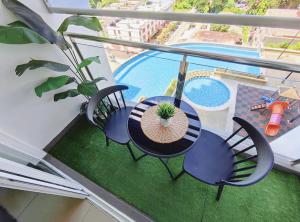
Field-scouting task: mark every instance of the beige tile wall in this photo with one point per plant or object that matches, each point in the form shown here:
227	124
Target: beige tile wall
35	207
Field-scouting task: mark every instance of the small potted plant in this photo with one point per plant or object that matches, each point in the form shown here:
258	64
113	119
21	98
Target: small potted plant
165	111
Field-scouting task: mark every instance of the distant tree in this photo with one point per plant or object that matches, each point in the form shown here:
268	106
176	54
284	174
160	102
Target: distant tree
230	4
165	33
101	3
219	28
202	6
255	7
217	6
106	2
214	6
284	45
258	7
234	10
94	3
246	33
182	5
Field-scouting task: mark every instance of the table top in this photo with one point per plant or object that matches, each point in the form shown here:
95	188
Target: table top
163	150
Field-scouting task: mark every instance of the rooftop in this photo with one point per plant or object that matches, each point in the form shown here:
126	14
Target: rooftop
283	12
129	23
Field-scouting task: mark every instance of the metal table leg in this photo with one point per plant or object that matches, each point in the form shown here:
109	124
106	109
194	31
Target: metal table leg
165	163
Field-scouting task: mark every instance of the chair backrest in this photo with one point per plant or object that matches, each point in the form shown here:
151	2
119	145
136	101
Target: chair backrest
251	174
104	103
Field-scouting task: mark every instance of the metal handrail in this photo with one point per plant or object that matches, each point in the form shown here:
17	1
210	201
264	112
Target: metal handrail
271	64
230	19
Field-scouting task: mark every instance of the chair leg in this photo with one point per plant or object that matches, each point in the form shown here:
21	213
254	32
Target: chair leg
165	163
107	141
141	157
131	152
220	190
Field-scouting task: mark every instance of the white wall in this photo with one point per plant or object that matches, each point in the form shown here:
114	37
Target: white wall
88	49
31	121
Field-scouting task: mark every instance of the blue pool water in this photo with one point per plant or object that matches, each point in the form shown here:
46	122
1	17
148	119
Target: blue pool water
206	92
149	73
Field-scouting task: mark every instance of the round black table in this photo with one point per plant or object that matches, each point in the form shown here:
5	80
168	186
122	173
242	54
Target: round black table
163	151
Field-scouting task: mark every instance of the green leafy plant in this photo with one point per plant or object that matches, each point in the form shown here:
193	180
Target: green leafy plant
258	7
165	110
32	29
203	6
94	3
166	32
219	28
246	33
233	9
284	45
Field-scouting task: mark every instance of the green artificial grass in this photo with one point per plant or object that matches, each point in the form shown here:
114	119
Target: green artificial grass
147	186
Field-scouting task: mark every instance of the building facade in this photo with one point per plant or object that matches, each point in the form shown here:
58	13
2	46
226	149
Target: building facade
139	30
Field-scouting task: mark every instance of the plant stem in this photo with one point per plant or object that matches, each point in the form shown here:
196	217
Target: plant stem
74	58
82	78
74	55
71	52
79	77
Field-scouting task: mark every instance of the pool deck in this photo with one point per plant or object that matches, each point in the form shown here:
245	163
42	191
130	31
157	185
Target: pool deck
208	74
221	121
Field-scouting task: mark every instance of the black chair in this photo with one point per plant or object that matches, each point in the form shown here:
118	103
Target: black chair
213	161
107	110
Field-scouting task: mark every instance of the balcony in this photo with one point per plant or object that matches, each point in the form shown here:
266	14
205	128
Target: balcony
220	74
146	184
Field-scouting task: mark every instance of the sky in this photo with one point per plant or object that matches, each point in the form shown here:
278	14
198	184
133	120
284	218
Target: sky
79	3
70	3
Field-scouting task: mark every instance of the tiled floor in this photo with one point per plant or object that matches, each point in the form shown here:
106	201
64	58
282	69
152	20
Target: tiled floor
248	96
35	207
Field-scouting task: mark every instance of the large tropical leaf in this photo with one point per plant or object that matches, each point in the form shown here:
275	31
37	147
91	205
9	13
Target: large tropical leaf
19	35
34	22
53	83
89	88
35	64
87	22
68	93
88	61
18	24
86	88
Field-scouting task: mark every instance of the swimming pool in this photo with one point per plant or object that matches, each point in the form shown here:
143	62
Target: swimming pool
149	73
208	93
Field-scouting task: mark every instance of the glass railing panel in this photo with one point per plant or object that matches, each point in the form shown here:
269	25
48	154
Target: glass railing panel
217	89
220	94
147	74
259	42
